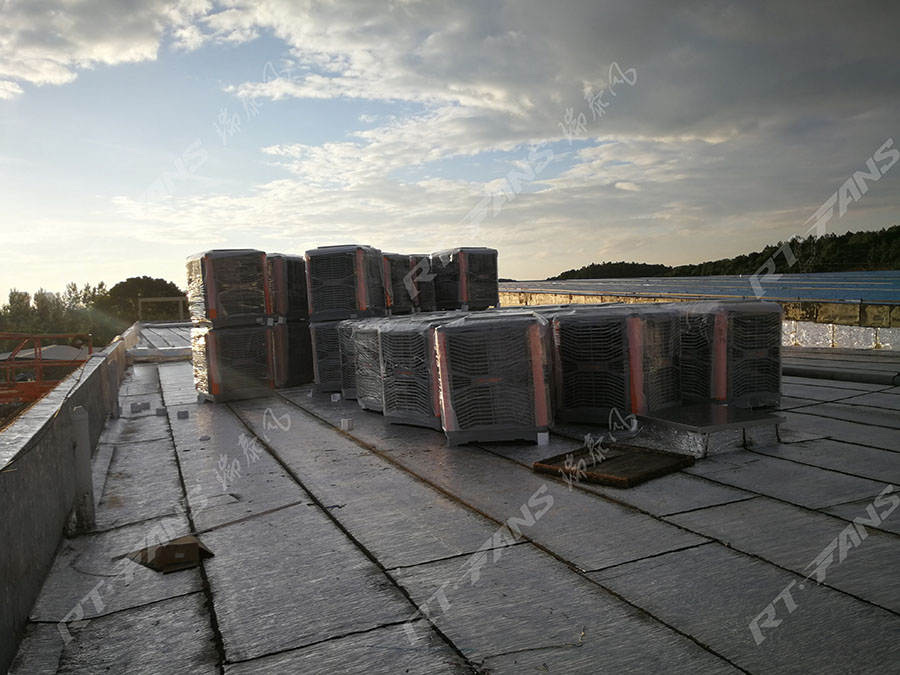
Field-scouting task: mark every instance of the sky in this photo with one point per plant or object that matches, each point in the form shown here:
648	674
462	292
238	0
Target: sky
135	133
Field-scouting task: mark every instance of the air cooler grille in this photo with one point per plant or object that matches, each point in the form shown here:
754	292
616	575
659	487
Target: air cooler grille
696	356
593	367
407	353
662	372
491	377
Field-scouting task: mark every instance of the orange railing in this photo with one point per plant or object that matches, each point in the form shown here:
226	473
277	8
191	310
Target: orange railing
23	380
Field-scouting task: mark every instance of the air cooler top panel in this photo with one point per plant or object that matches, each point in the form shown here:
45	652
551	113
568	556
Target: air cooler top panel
286	275
228	286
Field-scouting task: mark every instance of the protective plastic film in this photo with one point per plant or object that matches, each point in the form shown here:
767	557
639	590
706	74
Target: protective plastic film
228	287
493	371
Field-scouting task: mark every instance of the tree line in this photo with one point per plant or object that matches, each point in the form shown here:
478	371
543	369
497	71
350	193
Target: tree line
850	252
103	312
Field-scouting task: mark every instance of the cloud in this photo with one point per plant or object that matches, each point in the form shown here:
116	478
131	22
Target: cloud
46	42
9	90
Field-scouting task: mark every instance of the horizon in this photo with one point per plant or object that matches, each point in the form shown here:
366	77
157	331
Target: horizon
5	293
561	136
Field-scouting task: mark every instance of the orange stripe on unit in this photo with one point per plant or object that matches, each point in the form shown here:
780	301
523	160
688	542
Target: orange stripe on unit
361	299
538	354
720	357
209	281
448	416
386	280
463	269
212	358
636	364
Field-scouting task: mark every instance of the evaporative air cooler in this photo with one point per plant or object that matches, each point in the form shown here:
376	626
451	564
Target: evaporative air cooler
493	374
344	282
231	363
397	278
326	355
465	278
292	358
286	276
228	287
731	353
409	363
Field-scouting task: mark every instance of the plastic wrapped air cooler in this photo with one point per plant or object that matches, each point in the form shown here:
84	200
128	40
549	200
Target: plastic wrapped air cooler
397	272
345	282
731	352
292	360
465	278
410	383
654	357
367	359
326	355
286	275
592	371
227	287
348	358
423	283
231	363
493	374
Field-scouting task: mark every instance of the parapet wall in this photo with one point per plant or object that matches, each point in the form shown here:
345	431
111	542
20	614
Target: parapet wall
37	481
806	324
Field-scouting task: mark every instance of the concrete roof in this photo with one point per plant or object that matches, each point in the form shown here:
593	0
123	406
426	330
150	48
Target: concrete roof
381	550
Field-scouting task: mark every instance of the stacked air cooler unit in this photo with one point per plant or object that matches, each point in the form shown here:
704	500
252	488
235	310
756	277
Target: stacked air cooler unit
291	342
229	302
287	286
409	368
228	288
292	362
398	283
343	282
423	283
326	355
731	353
493	374
465	278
